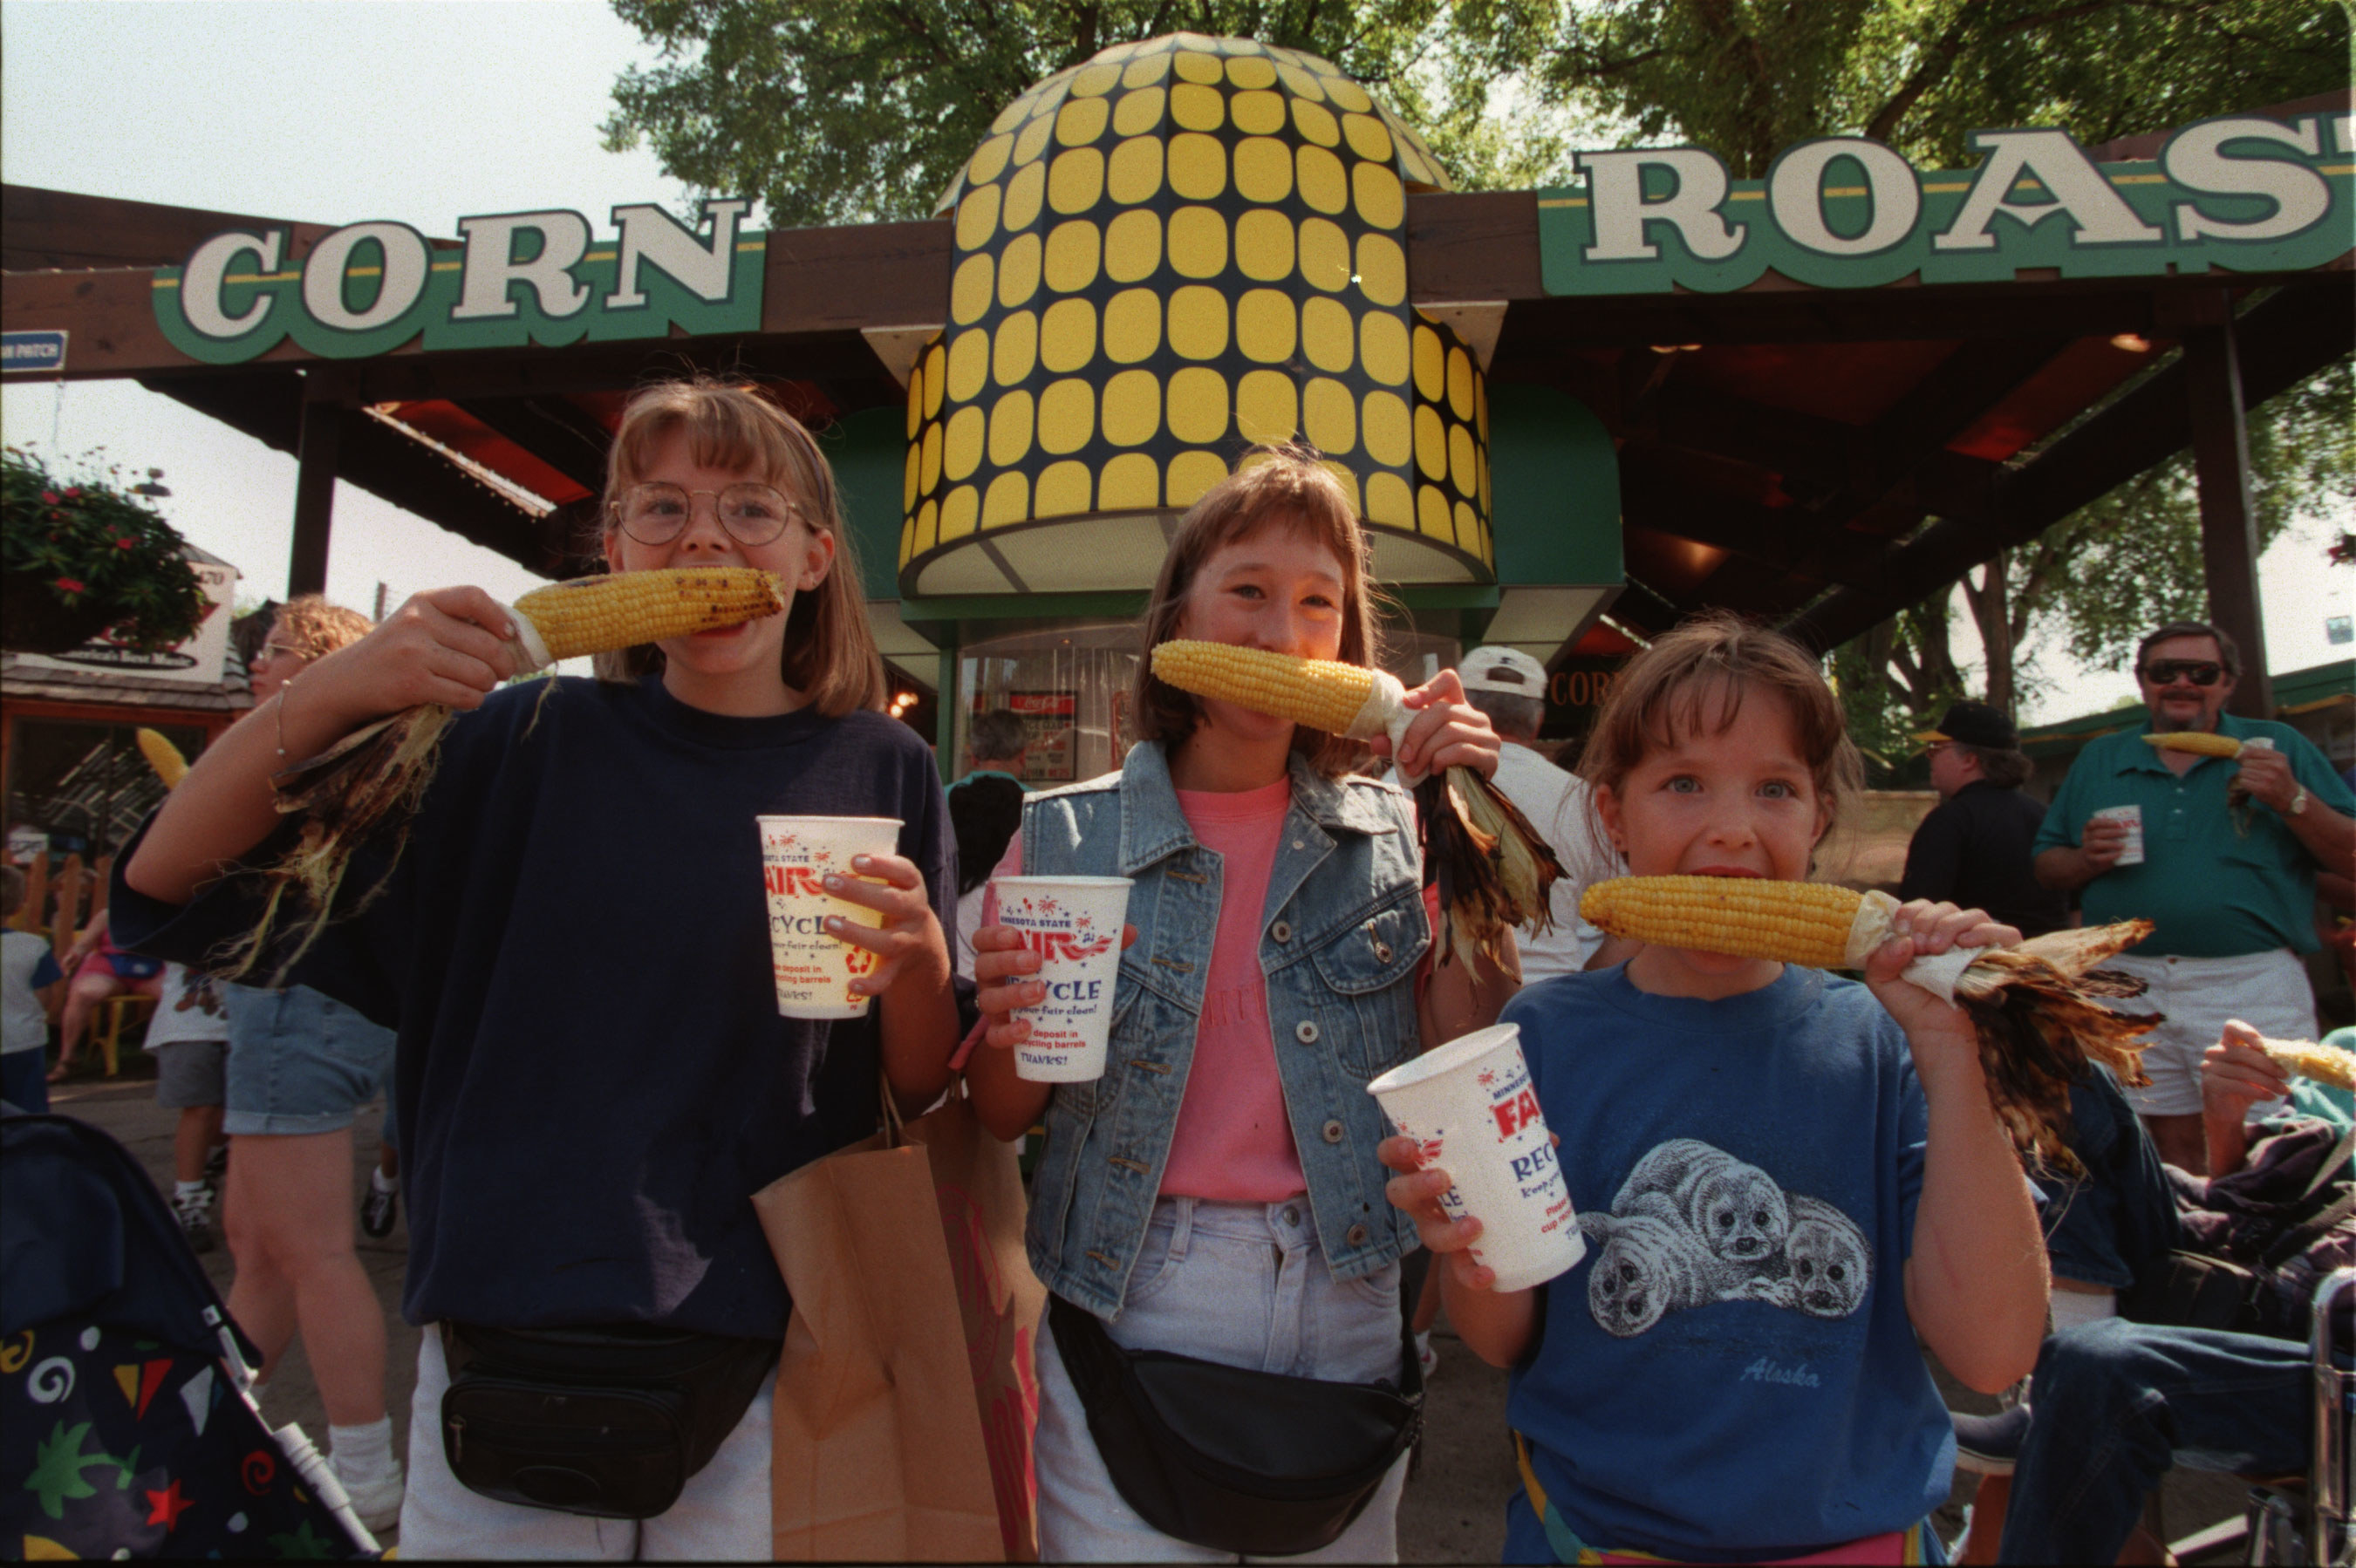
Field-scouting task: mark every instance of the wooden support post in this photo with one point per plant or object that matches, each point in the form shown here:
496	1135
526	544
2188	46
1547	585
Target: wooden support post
2229	524
314	497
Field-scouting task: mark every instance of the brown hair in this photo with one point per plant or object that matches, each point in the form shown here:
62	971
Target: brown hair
2228	653
829	654
1283	486
314	628
2004	769
1694	679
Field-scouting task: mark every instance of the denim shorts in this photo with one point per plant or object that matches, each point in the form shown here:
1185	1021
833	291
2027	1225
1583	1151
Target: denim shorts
1245	1284
300	1061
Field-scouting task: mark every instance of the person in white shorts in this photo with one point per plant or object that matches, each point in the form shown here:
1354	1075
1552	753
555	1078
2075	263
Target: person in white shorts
2230	851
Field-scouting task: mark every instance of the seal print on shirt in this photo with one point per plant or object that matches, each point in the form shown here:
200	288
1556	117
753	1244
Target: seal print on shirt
1693	1226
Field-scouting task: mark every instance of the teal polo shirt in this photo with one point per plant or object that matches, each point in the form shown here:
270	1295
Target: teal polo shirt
2211	889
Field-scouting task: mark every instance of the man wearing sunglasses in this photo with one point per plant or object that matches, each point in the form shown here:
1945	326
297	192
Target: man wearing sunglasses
2231	848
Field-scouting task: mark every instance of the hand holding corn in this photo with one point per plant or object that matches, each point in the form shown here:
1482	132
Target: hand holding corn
373	779
2031	1005
1494	869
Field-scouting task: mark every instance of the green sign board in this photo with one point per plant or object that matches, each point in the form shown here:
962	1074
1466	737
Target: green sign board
2244	192
516	278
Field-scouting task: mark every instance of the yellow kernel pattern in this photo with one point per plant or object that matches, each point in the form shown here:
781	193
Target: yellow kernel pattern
1743	917
1174	249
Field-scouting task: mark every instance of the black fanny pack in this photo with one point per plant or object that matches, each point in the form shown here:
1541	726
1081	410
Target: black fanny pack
608	1422
1237	1460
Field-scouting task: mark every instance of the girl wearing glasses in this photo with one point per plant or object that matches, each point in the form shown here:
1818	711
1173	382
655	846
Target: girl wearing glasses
573	947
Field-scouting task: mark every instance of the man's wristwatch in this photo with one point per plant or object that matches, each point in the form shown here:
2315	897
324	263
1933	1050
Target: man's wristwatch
2297	803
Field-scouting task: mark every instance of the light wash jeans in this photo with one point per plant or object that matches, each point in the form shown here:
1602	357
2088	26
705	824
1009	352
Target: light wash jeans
1241	1283
722	1517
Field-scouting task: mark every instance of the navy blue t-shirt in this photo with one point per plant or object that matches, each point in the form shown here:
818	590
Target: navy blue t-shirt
1730	1371
593	1079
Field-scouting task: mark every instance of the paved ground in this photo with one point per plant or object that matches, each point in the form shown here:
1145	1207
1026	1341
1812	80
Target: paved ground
1454	1509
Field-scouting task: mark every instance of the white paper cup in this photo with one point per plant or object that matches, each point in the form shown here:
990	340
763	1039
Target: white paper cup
1471	1110
2133	816
814	968
1074	925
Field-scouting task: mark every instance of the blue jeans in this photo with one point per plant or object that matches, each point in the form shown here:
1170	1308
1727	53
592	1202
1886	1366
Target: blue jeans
1242	1284
300	1063
2118	1402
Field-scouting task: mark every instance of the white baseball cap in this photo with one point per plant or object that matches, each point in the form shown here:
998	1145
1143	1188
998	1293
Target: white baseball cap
1499	668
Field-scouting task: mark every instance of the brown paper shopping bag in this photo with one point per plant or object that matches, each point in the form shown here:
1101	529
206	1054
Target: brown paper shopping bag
878	1442
977	1182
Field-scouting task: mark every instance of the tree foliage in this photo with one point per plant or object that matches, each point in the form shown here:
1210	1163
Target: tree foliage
841	110
851	110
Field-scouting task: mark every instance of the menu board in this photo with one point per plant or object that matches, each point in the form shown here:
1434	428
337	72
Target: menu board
1050	733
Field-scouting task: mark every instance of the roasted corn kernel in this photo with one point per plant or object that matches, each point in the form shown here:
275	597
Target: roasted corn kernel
2202	742
164	757
621	610
1323	694
1791	922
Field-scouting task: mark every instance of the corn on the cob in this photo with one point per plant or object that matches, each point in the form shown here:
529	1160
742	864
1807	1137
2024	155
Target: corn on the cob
2202	742
164	757
1324	694
2324	1063
621	610
1791	922
2033	1007
1493	869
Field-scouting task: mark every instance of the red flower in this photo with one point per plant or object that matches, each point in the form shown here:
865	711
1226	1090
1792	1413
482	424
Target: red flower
50	497
74	492
126	544
70	586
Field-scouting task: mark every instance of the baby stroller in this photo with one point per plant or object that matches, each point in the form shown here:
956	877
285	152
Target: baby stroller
126	1428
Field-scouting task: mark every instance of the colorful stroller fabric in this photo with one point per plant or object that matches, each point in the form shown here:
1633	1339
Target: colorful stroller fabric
124	1426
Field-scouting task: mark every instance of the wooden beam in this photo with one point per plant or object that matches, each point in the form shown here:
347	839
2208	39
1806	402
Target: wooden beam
2281	341
315	496
553	430
2229	524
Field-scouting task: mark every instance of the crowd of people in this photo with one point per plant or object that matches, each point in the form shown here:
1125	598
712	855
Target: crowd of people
1790	1184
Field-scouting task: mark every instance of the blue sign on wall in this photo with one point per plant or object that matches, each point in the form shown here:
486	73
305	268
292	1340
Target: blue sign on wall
29	351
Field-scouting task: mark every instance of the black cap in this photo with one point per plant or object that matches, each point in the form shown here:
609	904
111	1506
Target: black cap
1975	724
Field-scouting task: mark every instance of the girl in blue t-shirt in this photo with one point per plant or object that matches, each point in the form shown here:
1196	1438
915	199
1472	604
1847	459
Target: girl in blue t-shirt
1782	1177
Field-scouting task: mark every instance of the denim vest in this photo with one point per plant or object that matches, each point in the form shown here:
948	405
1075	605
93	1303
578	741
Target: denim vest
1343	929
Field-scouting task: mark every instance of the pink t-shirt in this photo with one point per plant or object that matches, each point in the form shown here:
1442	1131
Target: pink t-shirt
1233	1142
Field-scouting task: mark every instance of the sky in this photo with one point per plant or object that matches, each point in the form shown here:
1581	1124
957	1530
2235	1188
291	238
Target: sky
341	111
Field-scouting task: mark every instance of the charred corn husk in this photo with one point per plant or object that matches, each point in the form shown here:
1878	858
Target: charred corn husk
2324	1063
1493	869
164	757
369	784
621	610
2033	1007
2200	742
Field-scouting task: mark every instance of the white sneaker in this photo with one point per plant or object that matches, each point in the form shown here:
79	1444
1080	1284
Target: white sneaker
377	1500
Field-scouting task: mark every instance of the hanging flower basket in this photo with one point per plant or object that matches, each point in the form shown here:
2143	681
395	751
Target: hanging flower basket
83	557
35	619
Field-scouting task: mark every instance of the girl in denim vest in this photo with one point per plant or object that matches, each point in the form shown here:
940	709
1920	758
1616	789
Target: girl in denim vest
1216	1194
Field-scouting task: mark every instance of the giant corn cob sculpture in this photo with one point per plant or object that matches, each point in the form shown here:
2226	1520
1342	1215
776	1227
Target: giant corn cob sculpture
373	780
2031	1005
1493	869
